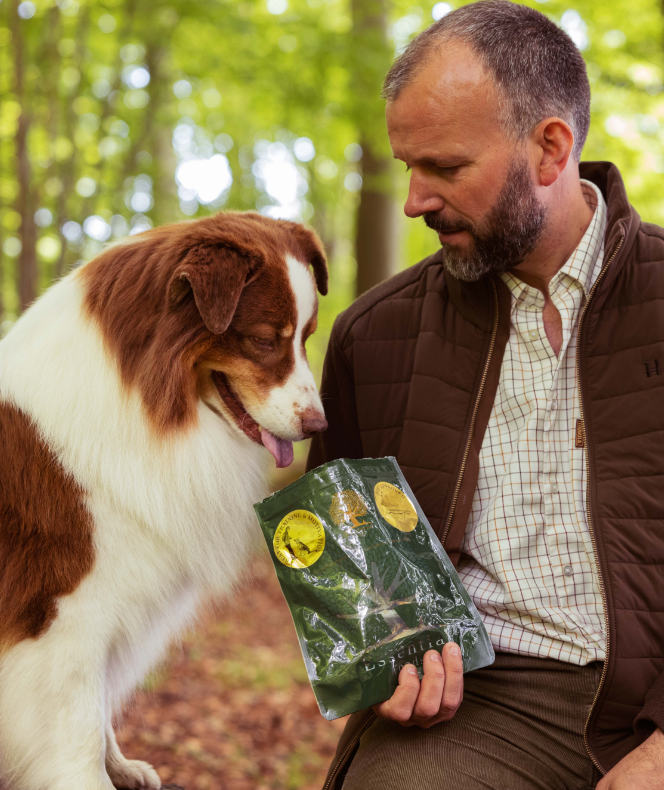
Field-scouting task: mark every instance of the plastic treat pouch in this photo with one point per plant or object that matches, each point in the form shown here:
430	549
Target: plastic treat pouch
368	584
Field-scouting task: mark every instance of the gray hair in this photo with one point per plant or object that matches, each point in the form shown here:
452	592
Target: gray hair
537	66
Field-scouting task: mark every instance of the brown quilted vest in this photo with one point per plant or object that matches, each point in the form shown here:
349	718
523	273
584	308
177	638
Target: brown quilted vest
412	370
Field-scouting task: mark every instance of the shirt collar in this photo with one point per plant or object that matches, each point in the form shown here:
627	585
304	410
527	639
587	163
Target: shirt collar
582	263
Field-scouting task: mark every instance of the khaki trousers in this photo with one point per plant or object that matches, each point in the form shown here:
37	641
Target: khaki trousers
520	727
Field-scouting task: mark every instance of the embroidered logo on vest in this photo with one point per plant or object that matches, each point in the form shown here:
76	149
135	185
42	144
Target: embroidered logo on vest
652	368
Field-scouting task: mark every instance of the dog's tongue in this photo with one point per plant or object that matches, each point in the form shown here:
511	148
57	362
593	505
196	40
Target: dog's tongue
281	449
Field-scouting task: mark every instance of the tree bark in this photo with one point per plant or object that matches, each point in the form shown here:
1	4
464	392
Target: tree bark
377	217
376	236
155	58
166	204
52	61
68	171
26	274
165	189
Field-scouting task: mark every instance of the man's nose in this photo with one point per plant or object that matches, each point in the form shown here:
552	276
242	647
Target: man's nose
313	421
422	196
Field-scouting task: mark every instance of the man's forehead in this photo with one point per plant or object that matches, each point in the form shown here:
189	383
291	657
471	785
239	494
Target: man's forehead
450	100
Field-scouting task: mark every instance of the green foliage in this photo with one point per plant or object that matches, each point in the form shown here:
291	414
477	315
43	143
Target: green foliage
232	77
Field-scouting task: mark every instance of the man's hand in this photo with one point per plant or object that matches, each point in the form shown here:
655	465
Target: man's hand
435	699
641	769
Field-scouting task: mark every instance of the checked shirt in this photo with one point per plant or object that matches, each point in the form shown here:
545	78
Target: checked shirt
528	560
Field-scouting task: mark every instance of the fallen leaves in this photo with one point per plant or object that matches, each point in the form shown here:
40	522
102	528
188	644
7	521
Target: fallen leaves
233	709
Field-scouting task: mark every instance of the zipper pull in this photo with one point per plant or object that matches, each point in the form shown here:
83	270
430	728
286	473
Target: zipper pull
580	440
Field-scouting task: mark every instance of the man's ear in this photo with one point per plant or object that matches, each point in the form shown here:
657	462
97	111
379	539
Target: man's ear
216	275
555	139
312	247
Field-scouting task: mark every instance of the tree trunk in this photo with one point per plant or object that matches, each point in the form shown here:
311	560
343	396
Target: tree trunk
157	133
52	67
69	167
26	274
165	189
376	236
377	217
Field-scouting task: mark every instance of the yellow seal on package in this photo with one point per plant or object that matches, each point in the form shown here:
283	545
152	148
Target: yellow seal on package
395	507
299	539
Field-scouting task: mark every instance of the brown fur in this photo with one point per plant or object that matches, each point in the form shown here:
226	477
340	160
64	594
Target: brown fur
183	298
46	544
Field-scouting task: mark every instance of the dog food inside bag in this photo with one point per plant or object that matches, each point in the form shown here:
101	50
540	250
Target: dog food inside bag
368	584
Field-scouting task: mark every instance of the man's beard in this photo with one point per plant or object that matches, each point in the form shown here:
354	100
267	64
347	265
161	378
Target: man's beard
507	236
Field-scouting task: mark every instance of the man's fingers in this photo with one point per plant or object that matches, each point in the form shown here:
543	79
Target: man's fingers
436	698
400	705
453	691
431	690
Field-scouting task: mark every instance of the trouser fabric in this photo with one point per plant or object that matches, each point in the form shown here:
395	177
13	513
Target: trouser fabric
520	727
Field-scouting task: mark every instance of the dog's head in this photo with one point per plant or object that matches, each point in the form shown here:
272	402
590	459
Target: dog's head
218	310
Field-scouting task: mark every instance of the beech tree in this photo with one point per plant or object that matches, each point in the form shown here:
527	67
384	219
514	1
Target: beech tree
110	106
376	233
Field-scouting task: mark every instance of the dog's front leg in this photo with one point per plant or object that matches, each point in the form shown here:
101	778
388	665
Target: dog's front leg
129	774
52	713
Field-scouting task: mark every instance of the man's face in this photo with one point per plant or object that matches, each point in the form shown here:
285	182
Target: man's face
469	180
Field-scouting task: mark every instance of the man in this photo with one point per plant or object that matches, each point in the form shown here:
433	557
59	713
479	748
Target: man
517	376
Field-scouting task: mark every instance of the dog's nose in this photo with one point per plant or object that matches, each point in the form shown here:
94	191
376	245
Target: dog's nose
313	421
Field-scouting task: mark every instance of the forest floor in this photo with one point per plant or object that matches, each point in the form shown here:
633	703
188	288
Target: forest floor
232	709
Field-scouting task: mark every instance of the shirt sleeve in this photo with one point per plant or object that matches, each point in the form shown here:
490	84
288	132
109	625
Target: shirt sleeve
342	437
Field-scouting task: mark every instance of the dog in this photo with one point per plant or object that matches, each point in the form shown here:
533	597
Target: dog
140	399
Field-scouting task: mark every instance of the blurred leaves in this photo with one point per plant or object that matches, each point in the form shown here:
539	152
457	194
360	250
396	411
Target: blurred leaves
116	94
235	709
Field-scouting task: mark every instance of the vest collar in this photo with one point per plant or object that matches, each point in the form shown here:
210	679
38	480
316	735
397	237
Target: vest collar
623	221
473	300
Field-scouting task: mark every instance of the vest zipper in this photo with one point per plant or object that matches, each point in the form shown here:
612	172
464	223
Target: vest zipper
350	745
588	514
494	333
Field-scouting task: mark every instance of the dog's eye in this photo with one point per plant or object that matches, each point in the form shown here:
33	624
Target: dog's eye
262	343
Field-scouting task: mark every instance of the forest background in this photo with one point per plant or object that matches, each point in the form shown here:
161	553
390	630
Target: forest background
120	115
124	114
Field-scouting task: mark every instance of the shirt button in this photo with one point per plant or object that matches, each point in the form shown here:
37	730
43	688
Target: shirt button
534	334
554	488
568	570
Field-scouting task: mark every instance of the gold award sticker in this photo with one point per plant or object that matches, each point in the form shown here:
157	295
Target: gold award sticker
395	507
299	539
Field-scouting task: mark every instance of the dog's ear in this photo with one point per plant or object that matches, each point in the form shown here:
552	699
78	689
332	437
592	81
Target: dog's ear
216	275
312	247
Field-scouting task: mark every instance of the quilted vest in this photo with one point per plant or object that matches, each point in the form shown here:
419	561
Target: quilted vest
412	371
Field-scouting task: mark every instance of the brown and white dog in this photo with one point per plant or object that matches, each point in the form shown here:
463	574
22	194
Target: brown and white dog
137	399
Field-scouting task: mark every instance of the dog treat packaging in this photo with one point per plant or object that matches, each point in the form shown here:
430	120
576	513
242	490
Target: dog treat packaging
368	584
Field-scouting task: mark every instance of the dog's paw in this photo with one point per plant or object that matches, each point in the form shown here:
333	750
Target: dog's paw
133	775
